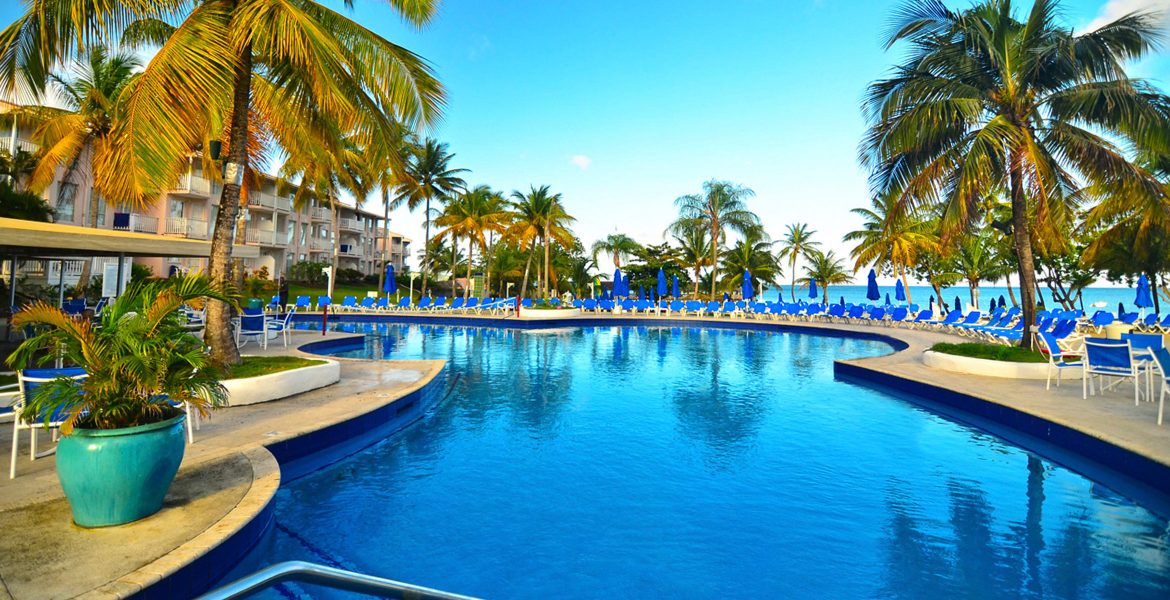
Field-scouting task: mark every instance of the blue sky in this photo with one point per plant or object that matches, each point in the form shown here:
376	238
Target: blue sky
623	106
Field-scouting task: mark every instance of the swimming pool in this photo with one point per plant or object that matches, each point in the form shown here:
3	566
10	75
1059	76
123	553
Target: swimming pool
688	462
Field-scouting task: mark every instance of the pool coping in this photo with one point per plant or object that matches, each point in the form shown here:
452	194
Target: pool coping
306	442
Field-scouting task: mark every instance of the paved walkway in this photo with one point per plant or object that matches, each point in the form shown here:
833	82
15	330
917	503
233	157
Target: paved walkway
43	555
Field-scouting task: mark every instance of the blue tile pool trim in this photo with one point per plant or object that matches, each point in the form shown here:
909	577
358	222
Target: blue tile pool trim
1141	478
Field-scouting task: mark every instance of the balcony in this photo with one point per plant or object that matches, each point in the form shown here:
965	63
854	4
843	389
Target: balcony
351	250
195	229
268	201
349	224
135	222
192	185
320	214
264	237
320	246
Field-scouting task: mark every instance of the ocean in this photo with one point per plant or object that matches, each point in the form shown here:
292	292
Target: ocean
921	294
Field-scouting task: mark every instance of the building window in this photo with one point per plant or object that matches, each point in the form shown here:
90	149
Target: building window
65	197
101	210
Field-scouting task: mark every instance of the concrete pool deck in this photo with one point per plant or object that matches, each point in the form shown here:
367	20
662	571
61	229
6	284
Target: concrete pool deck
228	475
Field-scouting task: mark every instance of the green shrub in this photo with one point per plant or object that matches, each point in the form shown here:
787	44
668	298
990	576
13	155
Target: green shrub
991	352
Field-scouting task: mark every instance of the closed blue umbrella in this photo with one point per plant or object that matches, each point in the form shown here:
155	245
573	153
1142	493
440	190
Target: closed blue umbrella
871	291
812	288
726	296
1002	301
747	285
899	291
887	298
1143	299
958	303
641	293
617	282
674	287
391	286
661	282
842	300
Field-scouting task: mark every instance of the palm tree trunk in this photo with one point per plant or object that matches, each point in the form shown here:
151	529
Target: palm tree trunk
546	269
454	262
714	255
792	267
426	247
698	274
906	286
386	242
527	268
470	254
336	241
218	331
1011	290
1022	239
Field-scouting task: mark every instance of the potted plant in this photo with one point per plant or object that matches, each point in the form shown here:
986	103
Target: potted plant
122	431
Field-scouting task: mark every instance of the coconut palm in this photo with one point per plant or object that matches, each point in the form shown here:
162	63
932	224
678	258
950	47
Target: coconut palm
429	176
720	207
977	260
538	216
796	244
694	251
753	253
386	170
617	245
230	68
890	237
824	269
988	99
472	215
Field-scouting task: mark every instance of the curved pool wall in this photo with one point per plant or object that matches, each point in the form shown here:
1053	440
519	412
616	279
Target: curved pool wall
1025	431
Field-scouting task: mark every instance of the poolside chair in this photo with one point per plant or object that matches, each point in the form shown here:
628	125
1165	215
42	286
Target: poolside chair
367	304
29	380
348	303
678	306
384	304
471	304
1113	359
1058	358
627	305
424	303
729	308
526	303
1162	363
713	307
814	310
456	304
972	318
273	304
692	306
642	306
1128	318
439	303
605	305
324	302
589	305
949	319
302	303
1148	323
876	313
281	326
923	316
899	314
1100	320
253	324
1163	326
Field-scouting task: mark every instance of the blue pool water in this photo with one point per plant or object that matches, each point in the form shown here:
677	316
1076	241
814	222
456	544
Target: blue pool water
659	462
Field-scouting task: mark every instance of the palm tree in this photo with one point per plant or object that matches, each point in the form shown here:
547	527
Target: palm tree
387	170
977	260
824	269
694	251
797	243
538	216
617	245
890	237
209	80
471	215
985	100
753	253
721	206
429	176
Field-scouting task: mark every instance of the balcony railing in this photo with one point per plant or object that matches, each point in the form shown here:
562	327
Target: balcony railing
193	185
349	250
135	222
268	201
320	246
349	224
264	237
195	229
320	214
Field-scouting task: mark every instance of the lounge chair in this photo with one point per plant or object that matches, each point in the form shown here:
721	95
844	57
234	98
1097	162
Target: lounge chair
302	303
1100	320
253	324
348	303
471	304
456	304
923	316
899	314
403	304
1113	359
324	302
972	318
440	303
678	306
281	326
424	303
694	307
712	307
367	304
1162	363
589	305
29	380
1128	318
1058	358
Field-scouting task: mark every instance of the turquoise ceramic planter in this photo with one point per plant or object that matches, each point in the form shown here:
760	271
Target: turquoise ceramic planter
116	476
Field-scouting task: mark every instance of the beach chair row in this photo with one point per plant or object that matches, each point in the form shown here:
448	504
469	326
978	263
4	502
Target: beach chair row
474	305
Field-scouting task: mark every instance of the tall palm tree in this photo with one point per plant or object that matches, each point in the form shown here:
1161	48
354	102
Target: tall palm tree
694	251
796	244
978	261
617	245
987	99
387	171
229	68
753	253
825	269
890	236
720	207
538	216
429	176
472	215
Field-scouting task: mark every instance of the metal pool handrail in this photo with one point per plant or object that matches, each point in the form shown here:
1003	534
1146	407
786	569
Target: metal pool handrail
305	572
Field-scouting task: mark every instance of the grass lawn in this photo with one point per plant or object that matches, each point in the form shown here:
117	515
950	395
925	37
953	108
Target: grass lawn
7	379
991	352
254	366
339	292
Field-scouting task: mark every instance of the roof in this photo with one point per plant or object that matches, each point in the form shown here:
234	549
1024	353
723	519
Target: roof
36	239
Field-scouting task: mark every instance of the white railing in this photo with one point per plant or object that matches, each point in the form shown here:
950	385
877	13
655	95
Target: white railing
268	201
136	222
265	237
195	229
320	214
193	184
320	245
350	224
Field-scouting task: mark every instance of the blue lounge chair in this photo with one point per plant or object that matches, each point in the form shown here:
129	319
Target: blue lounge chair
898	315
1162	364
1113	359
439	303
694	307
677	306
456	304
367	303
253	325
471	304
1100	320
605	305
424	303
526	303
348	303
589	305
324	302
302	303
384	303
923	316
1128	318
712	307
29	380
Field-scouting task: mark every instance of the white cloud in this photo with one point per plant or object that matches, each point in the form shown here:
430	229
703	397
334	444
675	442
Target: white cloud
581	161
1119	8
